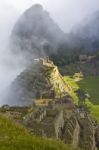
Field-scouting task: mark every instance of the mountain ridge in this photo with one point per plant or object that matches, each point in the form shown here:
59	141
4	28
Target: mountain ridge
41	77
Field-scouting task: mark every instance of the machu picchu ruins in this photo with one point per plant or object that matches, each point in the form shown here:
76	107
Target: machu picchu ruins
58	120
49	75
52	112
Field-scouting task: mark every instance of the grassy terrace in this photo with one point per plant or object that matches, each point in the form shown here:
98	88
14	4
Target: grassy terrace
91	86
14	137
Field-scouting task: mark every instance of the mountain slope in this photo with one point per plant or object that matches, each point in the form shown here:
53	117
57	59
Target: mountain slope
35	33
41	79
15	137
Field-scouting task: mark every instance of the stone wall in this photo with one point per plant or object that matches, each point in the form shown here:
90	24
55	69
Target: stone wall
87	134
80	132
45	123
59	124
71	131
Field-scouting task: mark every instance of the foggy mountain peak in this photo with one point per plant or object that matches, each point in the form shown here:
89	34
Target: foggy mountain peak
35	33
85	36
36	7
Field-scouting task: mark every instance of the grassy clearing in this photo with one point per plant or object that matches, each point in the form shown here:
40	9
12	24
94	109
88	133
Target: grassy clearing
91	86
14	137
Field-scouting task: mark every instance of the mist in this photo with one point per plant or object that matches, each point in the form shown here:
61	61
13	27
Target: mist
9	64
66	13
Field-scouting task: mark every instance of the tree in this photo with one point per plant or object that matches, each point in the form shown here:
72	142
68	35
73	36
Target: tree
82	97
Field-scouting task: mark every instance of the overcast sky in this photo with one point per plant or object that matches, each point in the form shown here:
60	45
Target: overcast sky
67	13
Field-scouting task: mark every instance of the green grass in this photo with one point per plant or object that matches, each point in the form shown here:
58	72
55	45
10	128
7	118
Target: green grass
91	86
15	137
70	81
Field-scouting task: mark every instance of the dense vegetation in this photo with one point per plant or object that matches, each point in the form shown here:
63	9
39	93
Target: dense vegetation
69	60
62	58
14	137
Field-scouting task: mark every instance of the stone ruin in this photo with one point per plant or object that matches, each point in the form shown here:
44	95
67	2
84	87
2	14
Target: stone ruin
46	62
71	131
77	129
49	83
40	94
45	122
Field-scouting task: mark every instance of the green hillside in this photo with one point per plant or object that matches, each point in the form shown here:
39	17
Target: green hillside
89	85
14	137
